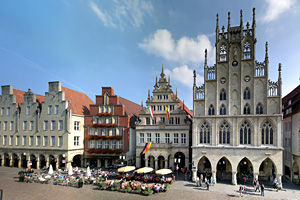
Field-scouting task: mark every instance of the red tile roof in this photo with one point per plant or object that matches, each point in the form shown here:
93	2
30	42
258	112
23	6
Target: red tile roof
80	102
130	107
186	109
20	96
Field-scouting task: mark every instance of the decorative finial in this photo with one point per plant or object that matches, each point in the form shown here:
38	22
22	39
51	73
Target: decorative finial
223	28
149	94
253	21
162	71
169	80
247	25
176	92
266	56
241	17
228	20
279	67
205	60
142	105
194	78
183	103
156	80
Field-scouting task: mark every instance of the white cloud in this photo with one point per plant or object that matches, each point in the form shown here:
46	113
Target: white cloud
124	13
275	8
184	75
185	50
105	18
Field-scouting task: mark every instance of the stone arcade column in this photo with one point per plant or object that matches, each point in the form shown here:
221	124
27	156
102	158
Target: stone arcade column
2	161
47	160
146	163
56	163
11	159
214	177
138	162
37	158
255	176
278	176
166	164
234	178
19	161
156	164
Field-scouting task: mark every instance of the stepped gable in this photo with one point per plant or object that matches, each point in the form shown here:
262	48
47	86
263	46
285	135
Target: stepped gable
186	109
79	102
20	97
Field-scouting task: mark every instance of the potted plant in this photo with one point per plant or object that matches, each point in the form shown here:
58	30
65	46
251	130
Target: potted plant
80	183
148	191
21	177
138	189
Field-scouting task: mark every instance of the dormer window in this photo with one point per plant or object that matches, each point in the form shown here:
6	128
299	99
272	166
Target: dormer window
223	53
247	50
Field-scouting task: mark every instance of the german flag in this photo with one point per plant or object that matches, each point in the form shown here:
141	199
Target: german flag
146	148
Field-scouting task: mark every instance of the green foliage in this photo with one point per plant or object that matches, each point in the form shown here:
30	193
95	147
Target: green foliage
103	186
148	191
100	179
80	180
72	182
167	187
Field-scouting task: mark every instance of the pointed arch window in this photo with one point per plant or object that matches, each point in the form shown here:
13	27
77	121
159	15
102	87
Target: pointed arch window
223	52
204	133
247	50
267	136
247	109
247	93
259	108
222	110
245	133
106	99
211	110
223	94
224	133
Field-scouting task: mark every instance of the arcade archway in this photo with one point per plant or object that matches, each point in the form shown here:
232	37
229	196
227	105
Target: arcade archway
6	160
179	159
42	161
224	170
23	161
245	169
161	162
15	160
151	162
33	161
76	162
52	161
267	170
204	167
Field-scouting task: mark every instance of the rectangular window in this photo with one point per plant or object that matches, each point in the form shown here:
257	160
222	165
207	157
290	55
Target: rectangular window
31	140
56	109
103	120
177	120
11	140
50	110
171	120
8	111
153	108
171	107
5	126
99	131
18	140
52	125
24	125
76	125
159	108
113	132
52	141
120	144
5	140
99	144
111	110
12	125
106	144
109	120
24	140
60	141
141	137
106	132
157	138
121	131
0	126
148	137
38	141
167	138
91	144
31	125
45	125
76	140
162	120
183	138
154	120
45	141
28	110
175	138
2	111
113	145
61	125
116	120
147	120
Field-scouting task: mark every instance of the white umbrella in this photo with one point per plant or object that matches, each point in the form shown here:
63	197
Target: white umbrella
70	172
88	171
50	170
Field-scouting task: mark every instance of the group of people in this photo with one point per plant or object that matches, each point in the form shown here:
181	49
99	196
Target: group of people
258	187
207	181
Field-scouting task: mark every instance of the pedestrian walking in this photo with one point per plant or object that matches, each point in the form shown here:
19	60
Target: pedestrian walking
197	181
185	175
207	184
262	189
201	179
245	179
241	190
257	186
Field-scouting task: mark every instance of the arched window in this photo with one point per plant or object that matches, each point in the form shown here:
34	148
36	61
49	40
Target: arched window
224	133
259	109
223	94
222	110
211	110
106	99
223	52
247	109
247	50
247	93
267	133
245	133
204	134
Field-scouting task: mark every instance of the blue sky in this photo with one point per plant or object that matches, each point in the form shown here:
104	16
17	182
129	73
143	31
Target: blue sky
90	44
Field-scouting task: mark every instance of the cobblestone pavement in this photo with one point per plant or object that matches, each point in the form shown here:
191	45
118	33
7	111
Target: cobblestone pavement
181	189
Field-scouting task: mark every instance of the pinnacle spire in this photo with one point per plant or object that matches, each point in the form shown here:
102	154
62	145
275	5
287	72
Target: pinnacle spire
253	21
241	18
162	71
228	21
149	94
169	80
176	92
266	56
205	61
